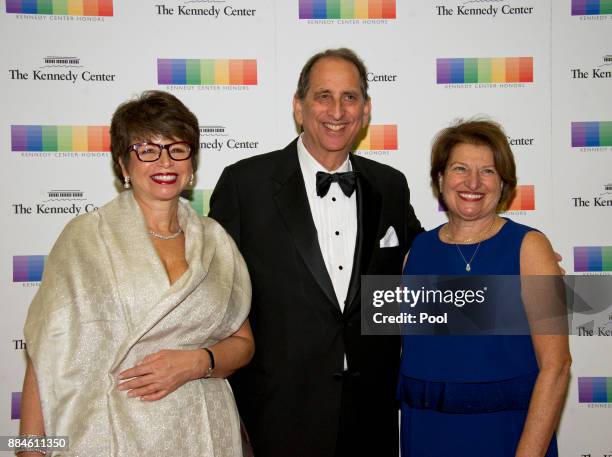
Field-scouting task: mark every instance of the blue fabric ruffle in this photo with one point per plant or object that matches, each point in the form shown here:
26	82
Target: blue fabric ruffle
467	397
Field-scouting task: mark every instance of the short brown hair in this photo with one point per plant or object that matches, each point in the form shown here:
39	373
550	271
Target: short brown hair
152	113
476	132
340	53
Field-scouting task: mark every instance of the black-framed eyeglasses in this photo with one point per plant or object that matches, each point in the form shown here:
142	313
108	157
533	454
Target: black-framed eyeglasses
150	152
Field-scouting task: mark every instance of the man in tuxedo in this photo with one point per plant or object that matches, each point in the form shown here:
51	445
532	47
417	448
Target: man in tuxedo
310	219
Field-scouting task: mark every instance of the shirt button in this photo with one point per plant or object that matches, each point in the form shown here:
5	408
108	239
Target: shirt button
337	233
333	199
340	267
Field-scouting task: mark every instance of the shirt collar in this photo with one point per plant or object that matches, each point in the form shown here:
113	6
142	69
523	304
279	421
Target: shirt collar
310	165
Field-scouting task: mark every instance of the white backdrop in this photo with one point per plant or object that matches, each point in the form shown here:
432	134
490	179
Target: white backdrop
67	64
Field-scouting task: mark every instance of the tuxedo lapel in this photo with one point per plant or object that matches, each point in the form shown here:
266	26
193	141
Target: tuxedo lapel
292	203
368	214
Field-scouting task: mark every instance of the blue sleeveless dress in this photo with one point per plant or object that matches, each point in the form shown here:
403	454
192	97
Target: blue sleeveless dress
466	395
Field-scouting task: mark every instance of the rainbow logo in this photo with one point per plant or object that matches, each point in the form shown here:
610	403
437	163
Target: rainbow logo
524	199
227	72
591	134
592	258
61	7
64	138
591	7
485	70
377	138
594	390
200	200
28	268
347	9
15	405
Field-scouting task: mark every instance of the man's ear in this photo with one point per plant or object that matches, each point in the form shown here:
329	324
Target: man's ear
367	111
297	110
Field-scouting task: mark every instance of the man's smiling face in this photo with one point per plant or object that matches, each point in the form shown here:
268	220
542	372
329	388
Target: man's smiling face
334	109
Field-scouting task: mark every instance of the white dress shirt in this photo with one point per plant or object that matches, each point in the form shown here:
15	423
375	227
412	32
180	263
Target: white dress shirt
335	218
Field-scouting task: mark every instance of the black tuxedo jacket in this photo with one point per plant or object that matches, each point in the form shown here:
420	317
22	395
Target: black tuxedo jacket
289	396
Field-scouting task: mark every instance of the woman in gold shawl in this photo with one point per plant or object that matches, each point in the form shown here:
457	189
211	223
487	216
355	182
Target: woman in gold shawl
142	311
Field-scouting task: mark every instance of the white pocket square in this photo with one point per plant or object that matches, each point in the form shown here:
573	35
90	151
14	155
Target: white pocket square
390	239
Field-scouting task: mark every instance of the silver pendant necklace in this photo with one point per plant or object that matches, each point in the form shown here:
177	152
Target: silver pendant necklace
468	265
166	237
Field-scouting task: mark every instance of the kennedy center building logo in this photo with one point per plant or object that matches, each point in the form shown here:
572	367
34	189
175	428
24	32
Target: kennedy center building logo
216	138
63	69
217	8
69	202
61	7
601	71
602	200
229	74
347	11
483	8
485	71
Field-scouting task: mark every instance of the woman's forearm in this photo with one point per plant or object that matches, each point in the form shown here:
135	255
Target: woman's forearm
544	410
231	354
161	373
31	411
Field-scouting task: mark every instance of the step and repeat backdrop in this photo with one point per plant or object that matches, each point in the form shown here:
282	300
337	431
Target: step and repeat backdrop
542	68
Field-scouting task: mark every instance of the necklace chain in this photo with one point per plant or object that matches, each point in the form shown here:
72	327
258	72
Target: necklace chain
468	265
166	237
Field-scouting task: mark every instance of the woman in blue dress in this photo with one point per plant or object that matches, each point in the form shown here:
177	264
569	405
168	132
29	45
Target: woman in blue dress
477	396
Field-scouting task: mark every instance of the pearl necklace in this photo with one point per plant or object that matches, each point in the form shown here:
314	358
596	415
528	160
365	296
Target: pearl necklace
166	237
468	265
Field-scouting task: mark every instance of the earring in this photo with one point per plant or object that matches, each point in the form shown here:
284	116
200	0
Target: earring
126	182
191	180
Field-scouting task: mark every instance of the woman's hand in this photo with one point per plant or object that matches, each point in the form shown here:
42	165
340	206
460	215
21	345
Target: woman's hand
160	374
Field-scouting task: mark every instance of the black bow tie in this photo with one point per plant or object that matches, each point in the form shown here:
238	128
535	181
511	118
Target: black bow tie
346	181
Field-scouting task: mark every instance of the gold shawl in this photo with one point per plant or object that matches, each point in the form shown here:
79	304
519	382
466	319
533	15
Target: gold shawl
104	303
